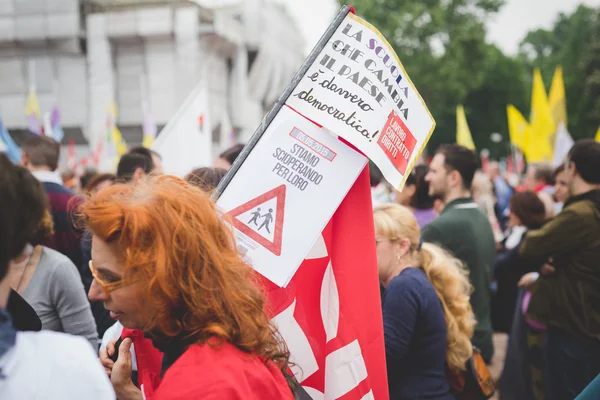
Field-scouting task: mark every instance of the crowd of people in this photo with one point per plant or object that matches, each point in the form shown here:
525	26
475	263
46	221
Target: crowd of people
142	273
531	248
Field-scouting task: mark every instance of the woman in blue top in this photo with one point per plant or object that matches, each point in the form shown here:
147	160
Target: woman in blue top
427	317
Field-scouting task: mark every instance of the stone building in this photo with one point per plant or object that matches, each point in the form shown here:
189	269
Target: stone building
81	55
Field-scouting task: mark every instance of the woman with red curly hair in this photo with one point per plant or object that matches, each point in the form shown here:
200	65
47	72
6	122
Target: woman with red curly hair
165	263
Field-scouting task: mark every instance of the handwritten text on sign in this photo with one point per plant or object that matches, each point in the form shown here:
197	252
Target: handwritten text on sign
356	84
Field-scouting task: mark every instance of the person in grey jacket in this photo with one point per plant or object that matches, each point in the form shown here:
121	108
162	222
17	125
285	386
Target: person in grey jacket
50	283
62	366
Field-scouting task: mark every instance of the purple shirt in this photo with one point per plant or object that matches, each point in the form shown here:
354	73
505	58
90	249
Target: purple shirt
424	216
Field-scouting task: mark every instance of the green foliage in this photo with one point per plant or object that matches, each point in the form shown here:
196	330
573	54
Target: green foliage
486	105
574	43
587	114
442	44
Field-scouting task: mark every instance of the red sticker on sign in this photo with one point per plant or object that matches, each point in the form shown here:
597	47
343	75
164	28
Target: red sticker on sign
397	142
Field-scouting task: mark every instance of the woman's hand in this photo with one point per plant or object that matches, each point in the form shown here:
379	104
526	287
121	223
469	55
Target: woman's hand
105	355
120	371
120	376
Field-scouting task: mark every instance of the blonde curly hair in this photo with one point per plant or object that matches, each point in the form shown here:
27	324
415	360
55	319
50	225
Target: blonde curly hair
446	273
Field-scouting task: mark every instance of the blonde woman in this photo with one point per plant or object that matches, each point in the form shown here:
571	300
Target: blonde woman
427	317
483	194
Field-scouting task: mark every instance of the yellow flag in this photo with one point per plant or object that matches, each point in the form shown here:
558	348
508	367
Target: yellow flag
598	135
115	134
518	128
557	99
463	134
539	145
32	106
119	142
147	141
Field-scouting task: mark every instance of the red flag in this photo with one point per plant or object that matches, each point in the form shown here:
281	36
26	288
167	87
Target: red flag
330	312
149	360
71	156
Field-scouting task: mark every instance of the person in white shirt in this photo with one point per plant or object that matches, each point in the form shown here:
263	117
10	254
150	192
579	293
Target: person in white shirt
37	365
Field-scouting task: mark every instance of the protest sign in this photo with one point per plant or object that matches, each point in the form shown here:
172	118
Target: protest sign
358	88
335	338
289	188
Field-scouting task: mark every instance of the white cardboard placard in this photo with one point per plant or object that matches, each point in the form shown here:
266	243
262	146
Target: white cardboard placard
286	191
358	88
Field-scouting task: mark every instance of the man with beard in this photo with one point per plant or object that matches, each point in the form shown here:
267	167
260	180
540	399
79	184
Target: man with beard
464	230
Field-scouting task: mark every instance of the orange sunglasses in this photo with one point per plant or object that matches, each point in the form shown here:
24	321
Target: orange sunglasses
106	286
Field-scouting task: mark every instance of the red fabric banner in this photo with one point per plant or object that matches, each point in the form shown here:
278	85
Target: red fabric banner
330	313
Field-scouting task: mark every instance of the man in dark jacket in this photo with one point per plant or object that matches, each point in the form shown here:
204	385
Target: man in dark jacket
464	230
40	157
568	301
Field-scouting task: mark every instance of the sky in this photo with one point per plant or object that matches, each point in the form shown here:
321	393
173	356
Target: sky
506	29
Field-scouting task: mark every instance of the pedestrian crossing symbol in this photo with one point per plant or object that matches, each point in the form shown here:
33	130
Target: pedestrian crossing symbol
261	219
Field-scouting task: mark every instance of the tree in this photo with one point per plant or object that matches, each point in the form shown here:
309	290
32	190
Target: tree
587	115
442	46
503	84
574	43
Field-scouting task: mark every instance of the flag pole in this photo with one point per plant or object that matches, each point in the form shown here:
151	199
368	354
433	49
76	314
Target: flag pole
280	101
31	76
144	92
55	90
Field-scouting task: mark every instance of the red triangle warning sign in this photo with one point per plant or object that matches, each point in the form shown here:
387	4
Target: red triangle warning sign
261	219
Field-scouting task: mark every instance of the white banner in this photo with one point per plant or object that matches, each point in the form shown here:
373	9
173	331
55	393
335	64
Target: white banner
185	143
285	193
562	144
359	89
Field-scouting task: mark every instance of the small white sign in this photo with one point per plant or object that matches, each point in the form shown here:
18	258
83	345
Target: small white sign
358	88
286	191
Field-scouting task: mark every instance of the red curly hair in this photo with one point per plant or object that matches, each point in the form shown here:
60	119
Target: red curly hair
195	285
